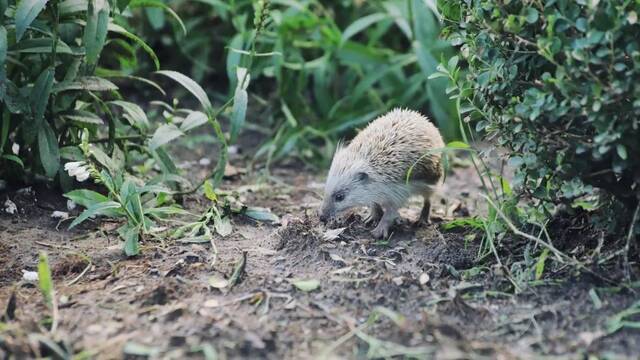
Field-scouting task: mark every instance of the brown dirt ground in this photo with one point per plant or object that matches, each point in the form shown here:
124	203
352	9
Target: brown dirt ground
421	295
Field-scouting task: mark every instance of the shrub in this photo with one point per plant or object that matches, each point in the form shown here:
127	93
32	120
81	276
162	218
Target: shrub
556	82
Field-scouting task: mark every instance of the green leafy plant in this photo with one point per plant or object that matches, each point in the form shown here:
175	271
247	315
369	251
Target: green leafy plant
329	61
49	53
140	204
553	81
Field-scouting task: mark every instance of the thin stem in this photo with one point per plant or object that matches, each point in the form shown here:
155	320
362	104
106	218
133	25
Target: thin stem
627	245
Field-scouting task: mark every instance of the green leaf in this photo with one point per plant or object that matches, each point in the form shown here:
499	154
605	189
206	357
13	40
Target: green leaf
161	5
72	153
131	240
104	159
3	60
531	15
209	192
306	285
457	145
122	4
261	214
40	96
165	162
190	85
86	197
83	117
239	113
13	158
193	120
88	83
597	303
40	46
361	24
45	282
96	209
95	32
165	211
222	225
133	113
122	31
4	130
48	150
233	59
622	151
540	263
26	12
72	6
163	135
3	45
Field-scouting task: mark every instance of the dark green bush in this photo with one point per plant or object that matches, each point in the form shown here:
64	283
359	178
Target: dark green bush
557	83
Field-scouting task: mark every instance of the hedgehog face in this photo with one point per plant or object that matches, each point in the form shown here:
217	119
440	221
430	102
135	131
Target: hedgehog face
343	192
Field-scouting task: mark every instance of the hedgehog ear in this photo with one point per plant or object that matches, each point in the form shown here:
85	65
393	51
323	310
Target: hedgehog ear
362	176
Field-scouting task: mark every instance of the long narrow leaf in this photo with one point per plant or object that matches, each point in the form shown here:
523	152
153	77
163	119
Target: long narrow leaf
239	113
95	32
361	24
163	135
122	31
48	150
40	96
96	209
161	5
190	85
26	12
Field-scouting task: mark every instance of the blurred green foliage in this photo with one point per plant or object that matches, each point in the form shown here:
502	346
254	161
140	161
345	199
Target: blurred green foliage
322	68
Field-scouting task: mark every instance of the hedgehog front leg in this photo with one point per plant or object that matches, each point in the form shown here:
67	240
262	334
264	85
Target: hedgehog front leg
388	219
375	214
425	214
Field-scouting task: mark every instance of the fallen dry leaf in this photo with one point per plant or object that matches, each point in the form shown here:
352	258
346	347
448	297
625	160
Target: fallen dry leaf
218	282
332	234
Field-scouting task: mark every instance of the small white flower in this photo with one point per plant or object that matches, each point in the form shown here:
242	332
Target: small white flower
71	205
15	148
10	207
73	165
204	162
60	215
29	276
82	176
77	169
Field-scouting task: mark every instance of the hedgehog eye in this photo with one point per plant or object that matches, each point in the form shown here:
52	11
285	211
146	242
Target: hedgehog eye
338	197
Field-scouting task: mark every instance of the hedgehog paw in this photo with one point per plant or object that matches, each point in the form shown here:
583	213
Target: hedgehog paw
381	231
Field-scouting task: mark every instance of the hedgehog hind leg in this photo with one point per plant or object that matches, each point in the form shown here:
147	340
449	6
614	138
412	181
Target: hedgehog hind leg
425	214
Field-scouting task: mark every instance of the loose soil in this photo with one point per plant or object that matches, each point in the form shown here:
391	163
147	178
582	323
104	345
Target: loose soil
422	294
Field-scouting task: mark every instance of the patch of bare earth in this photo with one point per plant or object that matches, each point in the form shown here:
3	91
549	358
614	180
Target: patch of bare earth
421	294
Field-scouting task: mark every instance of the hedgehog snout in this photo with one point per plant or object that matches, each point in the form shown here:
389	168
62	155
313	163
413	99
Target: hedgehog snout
325	213
323	218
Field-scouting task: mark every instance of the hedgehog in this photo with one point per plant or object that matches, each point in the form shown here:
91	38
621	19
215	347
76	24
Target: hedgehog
372	170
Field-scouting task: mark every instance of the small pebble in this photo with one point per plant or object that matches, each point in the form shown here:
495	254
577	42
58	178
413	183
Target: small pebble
29	276
10	207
